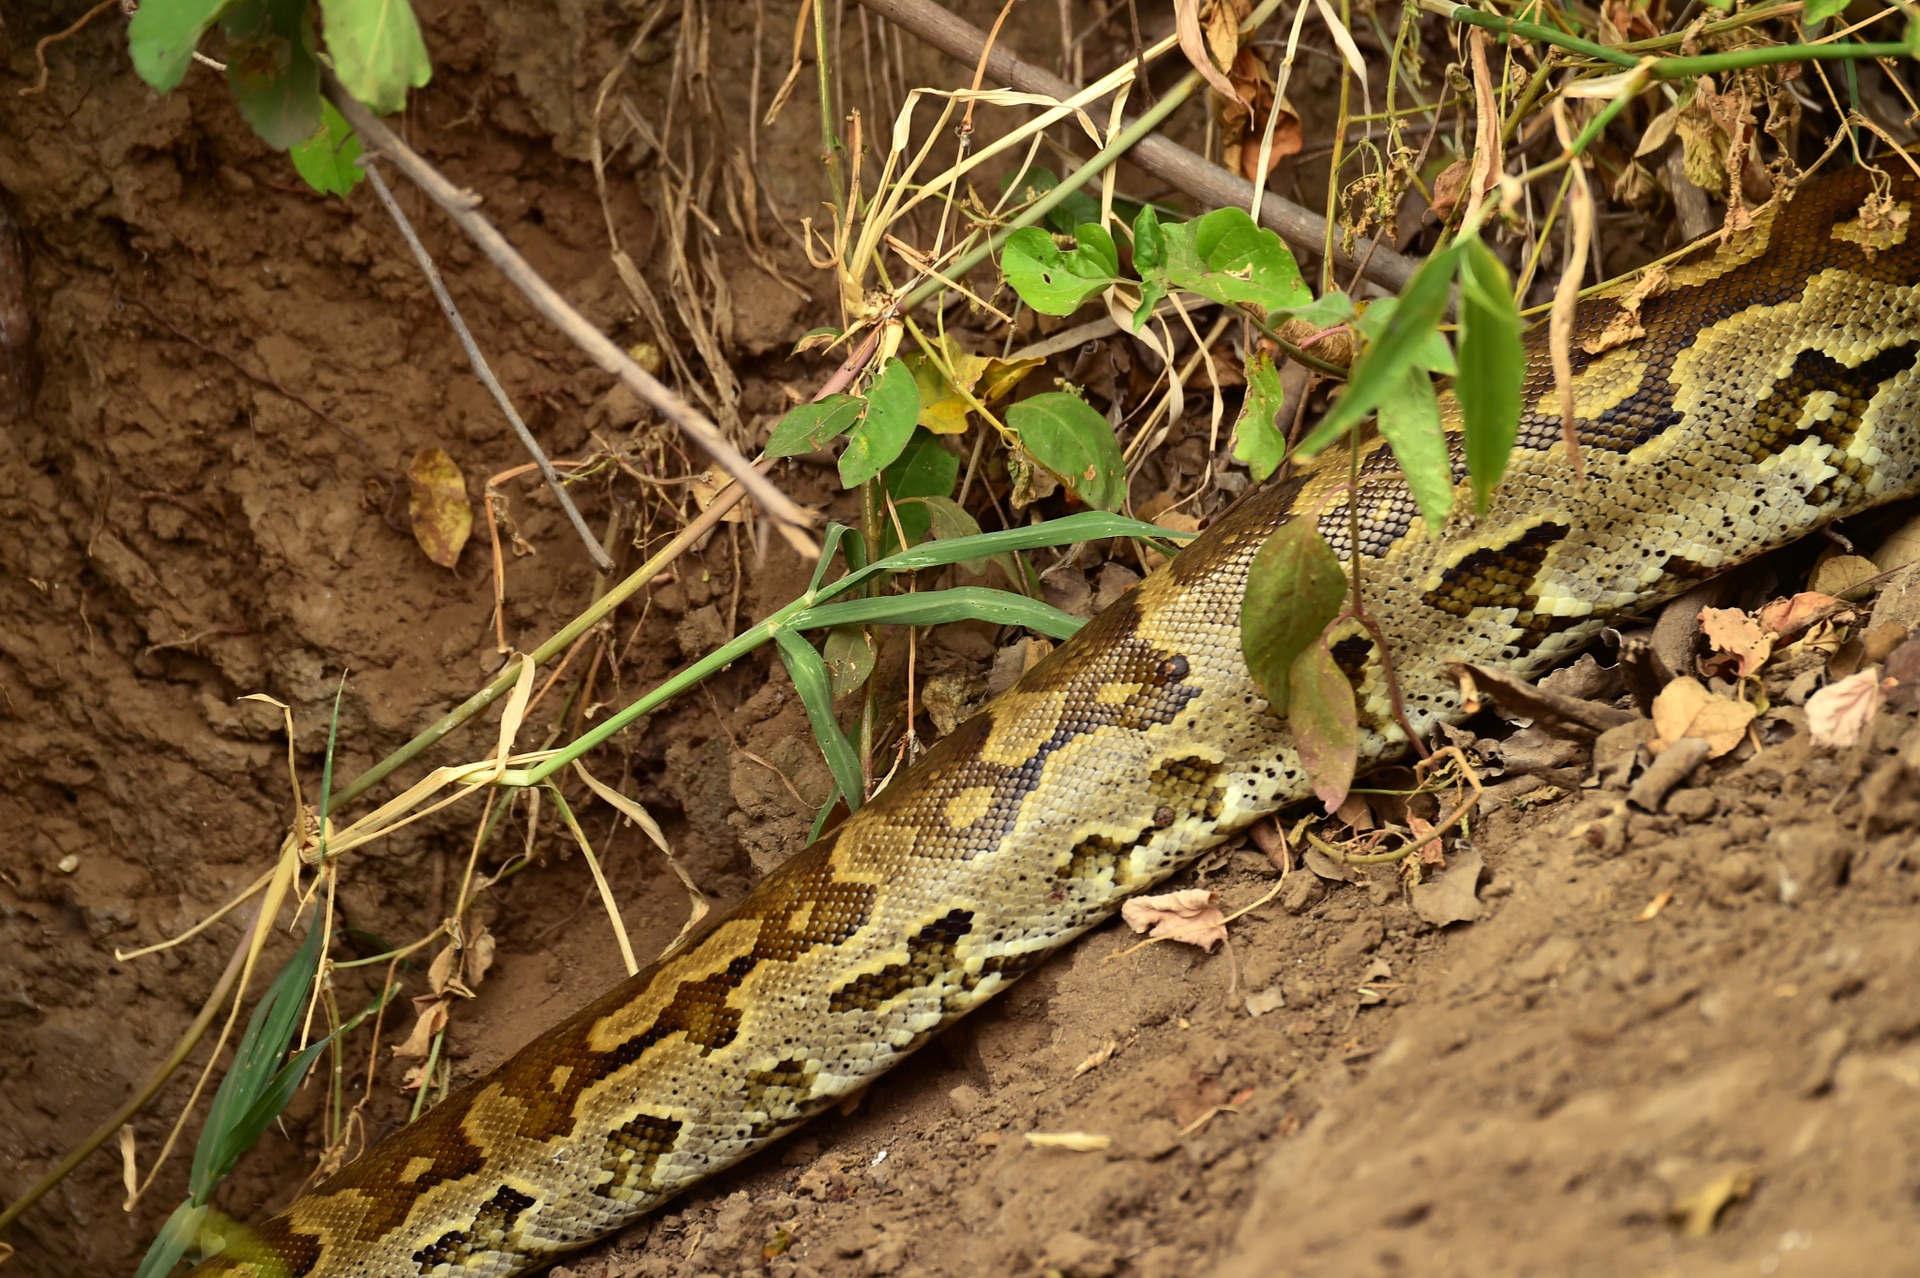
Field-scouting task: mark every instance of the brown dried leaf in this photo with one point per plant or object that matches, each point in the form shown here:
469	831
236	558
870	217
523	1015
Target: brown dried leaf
441	515
1735	636
1784	617
1685	708
1188	915
1194	44
1841	711
430	1017
1842	573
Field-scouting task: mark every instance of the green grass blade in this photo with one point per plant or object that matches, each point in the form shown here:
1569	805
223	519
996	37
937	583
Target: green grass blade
810	680
938	607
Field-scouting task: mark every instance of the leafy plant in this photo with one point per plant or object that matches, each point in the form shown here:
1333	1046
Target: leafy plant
274	58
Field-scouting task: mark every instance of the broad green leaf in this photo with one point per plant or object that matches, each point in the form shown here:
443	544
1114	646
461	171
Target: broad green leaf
1257	438
1149	254
924	469
1820	10
326	160
1064	434
1295	590
808	427
1325	725
1295	587
939	607
849	654
1327	311
1492	368
1054	281
1226	256
1405	342
948	520
272	71
376	49
1076	208
1434	355
163	35
815	686
1410	420
893	404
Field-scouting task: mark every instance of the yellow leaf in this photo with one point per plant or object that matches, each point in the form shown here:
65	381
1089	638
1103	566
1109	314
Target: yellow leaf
441	516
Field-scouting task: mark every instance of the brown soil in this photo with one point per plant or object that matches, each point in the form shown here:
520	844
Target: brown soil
208	500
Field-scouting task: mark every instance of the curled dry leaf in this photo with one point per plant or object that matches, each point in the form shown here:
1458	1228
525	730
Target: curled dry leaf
1786	617
430	1017
438	508
1188	915
1740	646
1685	708
1841	711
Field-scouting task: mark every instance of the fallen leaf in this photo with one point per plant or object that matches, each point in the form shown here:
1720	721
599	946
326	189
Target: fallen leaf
1078	1142
1842	573
442	517
706	486
1698	1212
1840	712
1271	999
1685	708
1735	635
1652	909
1188	915
1784	617
1453	896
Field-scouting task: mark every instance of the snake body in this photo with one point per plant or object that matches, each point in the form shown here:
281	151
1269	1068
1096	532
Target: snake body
1770	388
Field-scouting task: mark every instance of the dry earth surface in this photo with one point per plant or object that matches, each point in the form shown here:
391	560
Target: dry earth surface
208	500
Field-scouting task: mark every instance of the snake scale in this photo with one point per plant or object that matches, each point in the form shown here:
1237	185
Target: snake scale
1768	389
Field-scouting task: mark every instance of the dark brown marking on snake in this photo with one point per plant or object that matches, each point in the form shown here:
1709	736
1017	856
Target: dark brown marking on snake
633	1151
491	1230
1778	417
1351	655
930	956
1500	577
389	1186
1799	246
782	1096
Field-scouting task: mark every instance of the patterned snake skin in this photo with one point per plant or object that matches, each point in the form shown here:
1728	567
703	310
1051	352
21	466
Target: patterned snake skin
1774	389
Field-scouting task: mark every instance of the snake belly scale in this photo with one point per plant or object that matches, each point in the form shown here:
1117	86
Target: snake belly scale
1770	388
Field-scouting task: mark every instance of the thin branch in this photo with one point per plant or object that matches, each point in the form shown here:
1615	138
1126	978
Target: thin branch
789	517
481	368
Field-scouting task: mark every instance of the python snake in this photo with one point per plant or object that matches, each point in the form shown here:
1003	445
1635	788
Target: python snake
1770	388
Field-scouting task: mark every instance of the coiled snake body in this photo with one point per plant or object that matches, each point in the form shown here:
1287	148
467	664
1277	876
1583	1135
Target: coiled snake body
1772	390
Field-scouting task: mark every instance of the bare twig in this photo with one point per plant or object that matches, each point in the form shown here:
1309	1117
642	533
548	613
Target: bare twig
1206	182
481	368
789	517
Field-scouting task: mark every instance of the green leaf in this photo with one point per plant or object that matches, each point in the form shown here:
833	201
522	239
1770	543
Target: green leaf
893	404
849	654
1492	368
940	607
1056	282
182	1227
948	520
271	69
1410	421
1149	253
1324	723
1818	11
815	686
256	1060
924	469
1064	434
1295	587
1405	344
808	427
1257	438
1226	256
326	160
1087	526
1074	209
163	35
376	49
1433	355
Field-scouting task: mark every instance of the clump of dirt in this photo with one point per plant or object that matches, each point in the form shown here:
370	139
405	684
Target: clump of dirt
207	500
